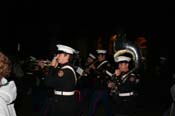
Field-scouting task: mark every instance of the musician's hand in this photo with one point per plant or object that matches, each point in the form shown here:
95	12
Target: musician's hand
54	62
111	84
92	67
86	71
117	72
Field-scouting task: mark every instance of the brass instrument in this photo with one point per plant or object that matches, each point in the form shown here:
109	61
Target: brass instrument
122	46
41	62
46	62
114	85
87	69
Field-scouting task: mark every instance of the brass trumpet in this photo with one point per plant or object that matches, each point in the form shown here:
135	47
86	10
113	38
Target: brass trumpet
87	69
43	62
47	63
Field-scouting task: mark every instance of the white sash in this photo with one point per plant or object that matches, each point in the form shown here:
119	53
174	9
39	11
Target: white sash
69	67
101	64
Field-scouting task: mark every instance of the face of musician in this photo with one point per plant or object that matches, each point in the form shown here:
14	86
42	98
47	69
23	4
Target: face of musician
62	58
123	66
101	57
90	60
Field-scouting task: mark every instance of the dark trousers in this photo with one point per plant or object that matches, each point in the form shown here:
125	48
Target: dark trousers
170	111
62	106
124	105
97	96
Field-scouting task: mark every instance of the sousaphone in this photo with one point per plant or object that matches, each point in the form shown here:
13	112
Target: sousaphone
123	46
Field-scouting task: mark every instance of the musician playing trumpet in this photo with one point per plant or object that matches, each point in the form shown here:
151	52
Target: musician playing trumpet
90	64
62	79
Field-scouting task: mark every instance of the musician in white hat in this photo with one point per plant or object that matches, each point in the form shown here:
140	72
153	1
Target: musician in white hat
124	83
62	78
89	64
101	74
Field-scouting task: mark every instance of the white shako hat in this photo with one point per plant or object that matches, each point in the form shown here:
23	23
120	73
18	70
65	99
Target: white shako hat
121	59
101	51
65	49
92	56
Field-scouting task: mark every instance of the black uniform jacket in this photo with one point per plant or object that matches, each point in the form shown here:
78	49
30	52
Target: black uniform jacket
62	78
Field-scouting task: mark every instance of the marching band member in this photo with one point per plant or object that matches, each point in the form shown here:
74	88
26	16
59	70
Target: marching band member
125	83
62	78
85	81
100	89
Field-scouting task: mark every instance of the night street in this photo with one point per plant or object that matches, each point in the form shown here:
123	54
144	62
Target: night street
33	29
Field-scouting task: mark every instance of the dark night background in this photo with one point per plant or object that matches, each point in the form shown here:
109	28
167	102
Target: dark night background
38	26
